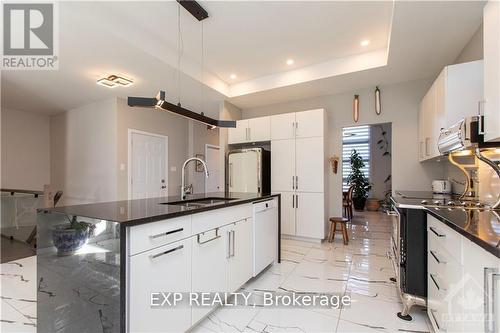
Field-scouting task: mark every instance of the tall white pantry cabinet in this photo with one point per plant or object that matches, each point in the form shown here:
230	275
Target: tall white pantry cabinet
298	171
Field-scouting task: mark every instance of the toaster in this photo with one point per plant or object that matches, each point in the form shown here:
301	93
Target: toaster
441	186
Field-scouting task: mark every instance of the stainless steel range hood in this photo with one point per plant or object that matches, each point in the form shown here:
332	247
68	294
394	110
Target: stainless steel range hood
462	135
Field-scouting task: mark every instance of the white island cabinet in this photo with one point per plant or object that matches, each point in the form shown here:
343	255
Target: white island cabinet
205	252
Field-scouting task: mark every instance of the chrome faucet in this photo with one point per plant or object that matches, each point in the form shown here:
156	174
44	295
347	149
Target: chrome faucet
184	188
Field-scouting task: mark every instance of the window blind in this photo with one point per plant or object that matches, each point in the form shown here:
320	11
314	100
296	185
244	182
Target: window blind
355	138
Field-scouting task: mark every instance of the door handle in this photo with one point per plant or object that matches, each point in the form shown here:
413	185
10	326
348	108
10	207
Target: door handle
293	201
435	320
166	233
217	236
296	201
249	134
293	183
230	174
489	300
439	261
228	245
296	182
154	256
434	231
234	234
434	279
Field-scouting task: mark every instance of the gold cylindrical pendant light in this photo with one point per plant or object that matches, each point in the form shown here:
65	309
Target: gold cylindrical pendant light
355	108
378	105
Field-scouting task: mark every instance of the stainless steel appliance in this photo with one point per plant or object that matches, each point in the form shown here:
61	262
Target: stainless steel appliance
249	170
464	134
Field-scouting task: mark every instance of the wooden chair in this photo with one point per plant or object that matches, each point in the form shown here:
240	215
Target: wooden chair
347	203
333	228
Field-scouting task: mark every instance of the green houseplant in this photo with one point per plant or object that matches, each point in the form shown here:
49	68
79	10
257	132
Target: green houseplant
357	178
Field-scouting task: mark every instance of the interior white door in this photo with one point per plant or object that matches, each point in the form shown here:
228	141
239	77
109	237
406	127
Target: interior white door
288	213
310	215
309	164
148	165
243	172
212	159
283	126
259	129
309	123
283	165
238	134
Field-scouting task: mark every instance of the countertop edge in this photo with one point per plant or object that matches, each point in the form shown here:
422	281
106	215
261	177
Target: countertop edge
169	216
486	246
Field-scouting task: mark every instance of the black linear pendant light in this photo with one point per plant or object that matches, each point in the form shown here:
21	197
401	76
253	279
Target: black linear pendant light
159	102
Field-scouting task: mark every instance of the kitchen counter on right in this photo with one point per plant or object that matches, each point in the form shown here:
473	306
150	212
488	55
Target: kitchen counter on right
478	225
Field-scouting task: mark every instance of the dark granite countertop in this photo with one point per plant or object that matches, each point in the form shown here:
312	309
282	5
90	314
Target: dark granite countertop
480	226
133	212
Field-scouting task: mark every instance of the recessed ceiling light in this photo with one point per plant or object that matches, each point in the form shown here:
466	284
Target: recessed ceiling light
290	62
233	76
365	42
113	81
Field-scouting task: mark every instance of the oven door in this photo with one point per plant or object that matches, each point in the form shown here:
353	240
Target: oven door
395	255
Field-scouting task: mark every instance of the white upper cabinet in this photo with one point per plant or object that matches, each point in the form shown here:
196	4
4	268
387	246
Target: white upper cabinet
309	123
456	94
238	134
283	126
259	129
250	130
491	33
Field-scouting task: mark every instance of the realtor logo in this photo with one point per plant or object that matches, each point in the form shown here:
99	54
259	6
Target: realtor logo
29	36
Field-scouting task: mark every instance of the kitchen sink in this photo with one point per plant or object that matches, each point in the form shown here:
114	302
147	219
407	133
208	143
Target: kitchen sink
197	203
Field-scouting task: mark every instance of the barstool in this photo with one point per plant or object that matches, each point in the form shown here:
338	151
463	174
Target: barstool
333	228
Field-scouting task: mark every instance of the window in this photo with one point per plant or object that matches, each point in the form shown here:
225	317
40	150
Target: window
355	138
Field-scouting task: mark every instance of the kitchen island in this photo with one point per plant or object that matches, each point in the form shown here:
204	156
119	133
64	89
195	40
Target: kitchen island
140	250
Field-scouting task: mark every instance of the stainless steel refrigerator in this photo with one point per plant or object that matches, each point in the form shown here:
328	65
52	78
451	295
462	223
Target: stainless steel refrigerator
249	170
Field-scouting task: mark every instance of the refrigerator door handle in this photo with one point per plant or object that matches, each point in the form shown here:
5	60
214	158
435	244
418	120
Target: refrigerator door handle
293	201
230	174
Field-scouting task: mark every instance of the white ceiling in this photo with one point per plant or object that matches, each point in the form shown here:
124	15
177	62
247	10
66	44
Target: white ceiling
409	40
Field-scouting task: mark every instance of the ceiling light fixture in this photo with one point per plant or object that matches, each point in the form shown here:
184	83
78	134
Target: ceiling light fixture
113	81
365	42
159	101
233	76
290	62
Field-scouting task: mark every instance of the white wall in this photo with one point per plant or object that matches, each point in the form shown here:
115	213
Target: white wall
473	50
25	158
380	164
84	153
227	112
399	107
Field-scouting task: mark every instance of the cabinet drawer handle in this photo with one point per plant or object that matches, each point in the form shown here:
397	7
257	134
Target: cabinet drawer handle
435	320
297	201
436	232
229	233
166	252
433	278
296	182
439	261
217	236
234	234
489	299
166	233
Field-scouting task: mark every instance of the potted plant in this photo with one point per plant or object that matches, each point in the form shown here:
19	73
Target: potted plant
357	178
70	237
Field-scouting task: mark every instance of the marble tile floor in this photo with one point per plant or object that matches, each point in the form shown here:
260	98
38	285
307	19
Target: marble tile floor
361	269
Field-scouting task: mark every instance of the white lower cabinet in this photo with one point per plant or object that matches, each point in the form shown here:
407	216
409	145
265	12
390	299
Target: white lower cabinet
164	269
288	226
310	211
208	266
463	282
239	254
219	259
